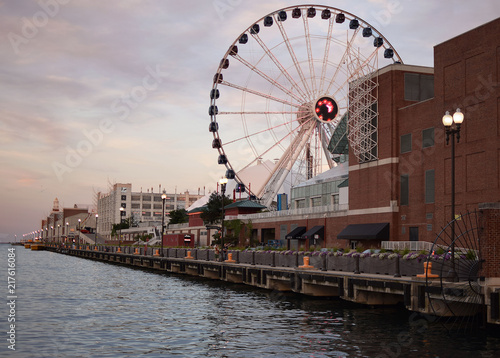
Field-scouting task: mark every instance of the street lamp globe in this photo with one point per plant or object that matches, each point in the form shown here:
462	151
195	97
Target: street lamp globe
447	119
458	116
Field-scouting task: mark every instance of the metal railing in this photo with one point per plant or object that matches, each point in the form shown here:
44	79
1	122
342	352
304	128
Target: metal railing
284	213
411	245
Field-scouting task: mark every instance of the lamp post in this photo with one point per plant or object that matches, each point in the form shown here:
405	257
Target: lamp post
58	236
67	231
223	183
452	126
122	209
52	233
95	238
79	223
163	199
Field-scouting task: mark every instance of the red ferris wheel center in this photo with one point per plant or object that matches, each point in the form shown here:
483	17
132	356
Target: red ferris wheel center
326	109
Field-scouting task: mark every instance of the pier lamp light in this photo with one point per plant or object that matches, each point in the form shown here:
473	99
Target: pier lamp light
67	231
452	126
79	223
163	199
96	219
223	183
122	210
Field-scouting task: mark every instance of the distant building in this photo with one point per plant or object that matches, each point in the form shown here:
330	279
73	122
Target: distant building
143	207
63	225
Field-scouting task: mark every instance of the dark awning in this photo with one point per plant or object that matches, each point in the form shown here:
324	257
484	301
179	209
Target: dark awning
315	230
296	233
377	231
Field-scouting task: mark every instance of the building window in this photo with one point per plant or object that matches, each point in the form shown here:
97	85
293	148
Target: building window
405	190
124	205
428	138
405	145
157	206
146	213
124	197
429	186
335	199
136	206
136	198
146	198
418	87
146	206
299	204
316	201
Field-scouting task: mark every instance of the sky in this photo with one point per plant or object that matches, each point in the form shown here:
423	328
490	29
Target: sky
100	92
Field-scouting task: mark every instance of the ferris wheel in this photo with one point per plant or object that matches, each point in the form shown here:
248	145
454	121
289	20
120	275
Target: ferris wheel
289	94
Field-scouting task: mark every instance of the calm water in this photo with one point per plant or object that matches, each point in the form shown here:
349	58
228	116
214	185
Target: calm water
72	307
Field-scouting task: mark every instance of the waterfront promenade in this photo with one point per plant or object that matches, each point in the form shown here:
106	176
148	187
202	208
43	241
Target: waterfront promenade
364	280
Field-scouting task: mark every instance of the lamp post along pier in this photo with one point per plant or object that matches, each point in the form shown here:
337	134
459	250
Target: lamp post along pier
223	183
96	220
163	199
452	125
122	210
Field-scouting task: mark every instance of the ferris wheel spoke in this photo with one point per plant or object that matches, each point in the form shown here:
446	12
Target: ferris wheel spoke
277	178
269	79
260	94
310	56
293	56
344	58
326	54
247	136
279	143
260	112
280	67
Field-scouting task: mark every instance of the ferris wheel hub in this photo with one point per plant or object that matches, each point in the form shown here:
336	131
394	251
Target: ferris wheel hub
326	109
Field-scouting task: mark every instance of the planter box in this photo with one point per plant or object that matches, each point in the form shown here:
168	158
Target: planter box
172	252
411	267
211	255
341	263
377	266
316	261
202	254
286	260
246	257
263	258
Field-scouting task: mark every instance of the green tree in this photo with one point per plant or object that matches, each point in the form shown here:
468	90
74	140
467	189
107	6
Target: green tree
213	212
178	216
125	224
